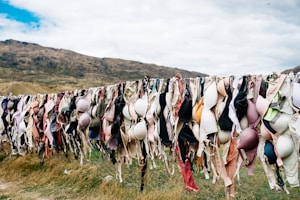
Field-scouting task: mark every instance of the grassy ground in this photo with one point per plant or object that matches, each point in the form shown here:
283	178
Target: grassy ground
26	88
24	178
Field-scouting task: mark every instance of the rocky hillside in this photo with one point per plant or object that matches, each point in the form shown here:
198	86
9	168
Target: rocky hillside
29	62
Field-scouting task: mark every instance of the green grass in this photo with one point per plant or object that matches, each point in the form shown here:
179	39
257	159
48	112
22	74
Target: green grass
32	181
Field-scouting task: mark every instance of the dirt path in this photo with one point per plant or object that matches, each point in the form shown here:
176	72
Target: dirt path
11	191
5	189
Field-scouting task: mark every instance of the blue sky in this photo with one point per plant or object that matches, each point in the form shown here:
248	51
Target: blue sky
18	14
232	37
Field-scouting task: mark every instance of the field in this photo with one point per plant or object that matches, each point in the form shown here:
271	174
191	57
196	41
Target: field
22	177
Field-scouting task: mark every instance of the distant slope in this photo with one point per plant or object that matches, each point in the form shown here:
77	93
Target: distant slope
295	70
29	62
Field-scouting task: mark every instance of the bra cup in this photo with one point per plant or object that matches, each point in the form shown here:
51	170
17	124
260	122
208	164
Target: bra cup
285	146
221	88
244	123
262	105
140	130
252	114
208	122
224	136
141	106
248	139
296	94
125	112
282	123
211	96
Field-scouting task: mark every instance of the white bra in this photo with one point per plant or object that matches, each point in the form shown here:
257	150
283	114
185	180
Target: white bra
296	91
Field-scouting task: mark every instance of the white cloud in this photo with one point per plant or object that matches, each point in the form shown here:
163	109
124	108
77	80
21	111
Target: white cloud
214	37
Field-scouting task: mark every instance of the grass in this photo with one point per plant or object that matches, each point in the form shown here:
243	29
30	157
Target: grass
24	178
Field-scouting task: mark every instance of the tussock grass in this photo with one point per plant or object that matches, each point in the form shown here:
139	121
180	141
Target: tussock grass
27	179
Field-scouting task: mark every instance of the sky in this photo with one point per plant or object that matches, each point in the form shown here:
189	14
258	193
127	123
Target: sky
216	37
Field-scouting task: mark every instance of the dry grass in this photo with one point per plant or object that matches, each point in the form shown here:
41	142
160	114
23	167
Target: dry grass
26	88
24	178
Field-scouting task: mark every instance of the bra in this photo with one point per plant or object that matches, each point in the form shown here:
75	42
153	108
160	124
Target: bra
296	91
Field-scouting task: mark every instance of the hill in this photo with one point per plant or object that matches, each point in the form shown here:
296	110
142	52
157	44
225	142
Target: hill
295	70
50	67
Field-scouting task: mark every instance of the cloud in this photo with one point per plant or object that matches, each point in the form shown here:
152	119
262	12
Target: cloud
214	37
